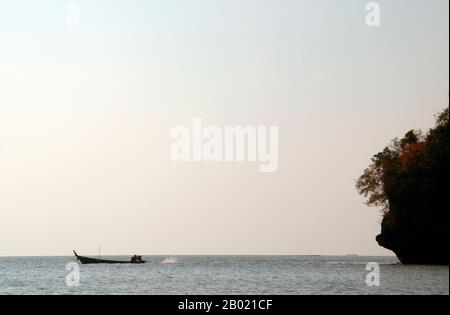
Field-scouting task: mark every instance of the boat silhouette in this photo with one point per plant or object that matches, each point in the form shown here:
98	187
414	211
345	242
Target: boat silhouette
87	260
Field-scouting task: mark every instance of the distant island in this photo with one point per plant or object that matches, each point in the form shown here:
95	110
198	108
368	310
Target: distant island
409	181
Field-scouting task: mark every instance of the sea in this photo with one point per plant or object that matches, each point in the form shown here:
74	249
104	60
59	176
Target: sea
222	275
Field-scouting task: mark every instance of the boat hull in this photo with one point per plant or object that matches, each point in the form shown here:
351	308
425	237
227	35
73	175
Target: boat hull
88	261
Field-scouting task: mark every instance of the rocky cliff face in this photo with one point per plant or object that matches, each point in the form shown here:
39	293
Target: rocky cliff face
424	243
409	180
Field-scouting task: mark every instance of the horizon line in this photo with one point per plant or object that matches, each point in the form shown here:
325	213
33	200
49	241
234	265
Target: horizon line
206	255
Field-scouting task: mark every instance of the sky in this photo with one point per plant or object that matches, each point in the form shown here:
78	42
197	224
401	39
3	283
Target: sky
86	111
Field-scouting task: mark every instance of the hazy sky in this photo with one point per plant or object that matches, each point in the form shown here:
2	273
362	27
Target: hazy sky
86	112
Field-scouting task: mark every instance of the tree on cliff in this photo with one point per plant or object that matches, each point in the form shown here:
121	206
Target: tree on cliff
409	181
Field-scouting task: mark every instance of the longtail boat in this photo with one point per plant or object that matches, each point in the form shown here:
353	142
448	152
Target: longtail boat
86	260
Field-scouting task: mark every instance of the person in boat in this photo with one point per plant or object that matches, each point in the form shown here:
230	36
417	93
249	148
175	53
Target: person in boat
136	259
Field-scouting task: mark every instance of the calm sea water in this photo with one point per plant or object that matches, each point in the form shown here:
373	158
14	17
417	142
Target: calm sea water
223	275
